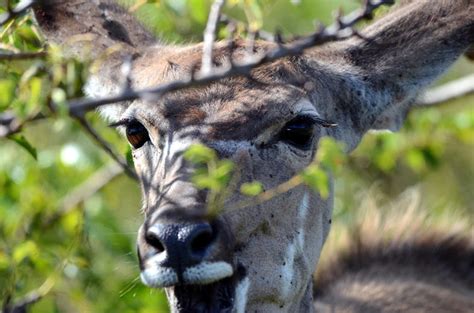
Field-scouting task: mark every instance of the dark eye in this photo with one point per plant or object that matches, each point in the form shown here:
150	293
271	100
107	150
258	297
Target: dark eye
298	132
137	134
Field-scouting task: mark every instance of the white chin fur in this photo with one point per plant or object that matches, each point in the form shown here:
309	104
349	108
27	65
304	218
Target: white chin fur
241	295
159	277
207	272
201	274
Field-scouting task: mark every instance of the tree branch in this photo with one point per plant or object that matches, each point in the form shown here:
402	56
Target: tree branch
210	36
86	190
11	124
341	29
22	56
19	10
105	146
454	89
21	306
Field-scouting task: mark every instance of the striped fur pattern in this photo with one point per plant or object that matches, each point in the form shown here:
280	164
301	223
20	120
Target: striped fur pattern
261	258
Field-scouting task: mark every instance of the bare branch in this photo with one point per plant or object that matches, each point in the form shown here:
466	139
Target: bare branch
86	190
261	34
19	10
210	36
22	56
11	124
341	29
22	305
105	146
455	89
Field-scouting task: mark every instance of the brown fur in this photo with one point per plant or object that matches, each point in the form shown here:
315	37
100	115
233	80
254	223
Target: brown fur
399	263
359	83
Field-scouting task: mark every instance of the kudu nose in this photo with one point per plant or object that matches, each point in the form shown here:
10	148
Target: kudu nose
180	245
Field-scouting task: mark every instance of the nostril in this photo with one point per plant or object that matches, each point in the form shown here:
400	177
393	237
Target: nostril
152	239
201	242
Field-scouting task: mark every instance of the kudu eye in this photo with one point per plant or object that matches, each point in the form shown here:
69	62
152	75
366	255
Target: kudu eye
298	132
137	134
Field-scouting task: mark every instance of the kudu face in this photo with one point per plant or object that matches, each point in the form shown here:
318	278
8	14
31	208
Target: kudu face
261	257
267	127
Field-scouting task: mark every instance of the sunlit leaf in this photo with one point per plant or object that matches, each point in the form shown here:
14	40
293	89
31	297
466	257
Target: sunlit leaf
25	144
198	153
27	249
317	179
7	93
252	188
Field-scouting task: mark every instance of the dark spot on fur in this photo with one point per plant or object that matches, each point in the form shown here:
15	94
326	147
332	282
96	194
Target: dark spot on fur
117	31
46	18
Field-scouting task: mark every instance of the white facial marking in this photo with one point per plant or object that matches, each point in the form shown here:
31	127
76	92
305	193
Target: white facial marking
229	147
302	213
159	277
176	146
288	271
96	88
241	296
207	272
296	247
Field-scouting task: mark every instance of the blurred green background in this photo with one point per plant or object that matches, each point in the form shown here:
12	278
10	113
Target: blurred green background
83	259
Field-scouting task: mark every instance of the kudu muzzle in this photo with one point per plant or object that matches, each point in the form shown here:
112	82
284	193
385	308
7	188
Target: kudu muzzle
179	243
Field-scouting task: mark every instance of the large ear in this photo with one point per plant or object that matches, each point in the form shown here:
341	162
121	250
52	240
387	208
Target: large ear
99	30
94	24
401	54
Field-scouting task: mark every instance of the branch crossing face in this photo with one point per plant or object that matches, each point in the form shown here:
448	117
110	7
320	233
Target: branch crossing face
266	112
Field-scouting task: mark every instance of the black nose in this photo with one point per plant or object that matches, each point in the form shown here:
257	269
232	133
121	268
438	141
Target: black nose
180	245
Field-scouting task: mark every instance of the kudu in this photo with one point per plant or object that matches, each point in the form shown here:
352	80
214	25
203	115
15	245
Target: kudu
259	258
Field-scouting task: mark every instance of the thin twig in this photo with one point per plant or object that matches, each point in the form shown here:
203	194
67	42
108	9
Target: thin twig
341	29
267	195
22	56
455	89
105	146
210	36
19	10
84	191
22	305
260	34
11	124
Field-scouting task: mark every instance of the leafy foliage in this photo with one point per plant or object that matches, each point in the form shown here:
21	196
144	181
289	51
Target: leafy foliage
78	251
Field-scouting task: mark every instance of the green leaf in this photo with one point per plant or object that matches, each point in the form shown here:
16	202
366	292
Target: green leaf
7	93
129	157
199	154
4	261
254	14
331	153
35	92
317	179
251	189
27	249
415	160
24	143
59	98
198	9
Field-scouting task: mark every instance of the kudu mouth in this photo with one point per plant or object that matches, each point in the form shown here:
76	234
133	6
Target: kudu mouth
194	261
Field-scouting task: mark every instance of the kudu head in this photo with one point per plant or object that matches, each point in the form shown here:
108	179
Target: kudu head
259	258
